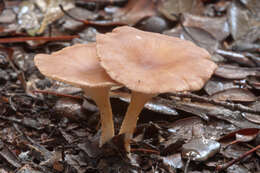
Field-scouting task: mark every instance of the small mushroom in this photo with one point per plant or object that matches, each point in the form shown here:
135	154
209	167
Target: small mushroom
78	65
150	64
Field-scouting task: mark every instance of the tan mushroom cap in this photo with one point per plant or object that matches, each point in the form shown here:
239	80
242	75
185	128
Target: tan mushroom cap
153	63
77	65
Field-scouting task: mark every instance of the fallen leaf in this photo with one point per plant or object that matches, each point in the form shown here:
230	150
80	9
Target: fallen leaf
242	135
236	57
235	95
198	36
134	11
200	149
174	161
216	26
170	8
215	85
255	118
235	72
243	18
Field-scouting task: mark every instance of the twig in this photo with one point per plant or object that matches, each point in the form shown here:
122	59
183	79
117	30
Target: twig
56	94
4	99
72	17
44	38
19	121
228	105
9	52
9	156
226	165
11	119
35	145
187	165
145	150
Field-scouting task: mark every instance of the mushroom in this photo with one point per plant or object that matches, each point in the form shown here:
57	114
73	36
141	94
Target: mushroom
150	64
78	65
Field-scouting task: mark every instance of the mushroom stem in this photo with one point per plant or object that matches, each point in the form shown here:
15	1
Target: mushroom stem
101	96
136	105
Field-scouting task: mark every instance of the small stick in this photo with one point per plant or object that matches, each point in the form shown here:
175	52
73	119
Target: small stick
4	99
231	106
56	94
187	165
23	39
86	22
226	165
9	52
145	150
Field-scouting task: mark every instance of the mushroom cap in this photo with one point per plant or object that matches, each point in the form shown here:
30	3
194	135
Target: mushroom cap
77	65
153	63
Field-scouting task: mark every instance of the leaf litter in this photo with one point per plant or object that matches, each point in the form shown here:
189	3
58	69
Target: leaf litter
47	126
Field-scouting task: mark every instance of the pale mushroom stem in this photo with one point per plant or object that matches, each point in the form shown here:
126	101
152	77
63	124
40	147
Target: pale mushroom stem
135	107
101	96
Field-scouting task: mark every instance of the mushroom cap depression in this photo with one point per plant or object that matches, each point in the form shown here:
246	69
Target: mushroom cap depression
153	63
77	65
